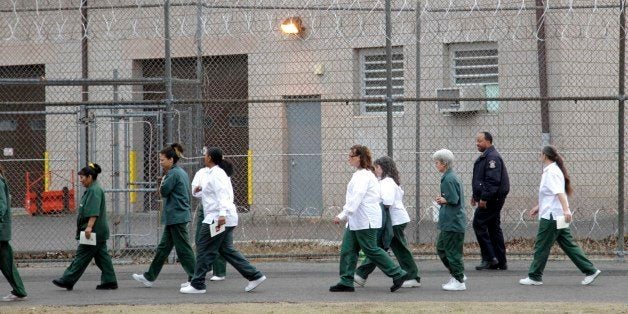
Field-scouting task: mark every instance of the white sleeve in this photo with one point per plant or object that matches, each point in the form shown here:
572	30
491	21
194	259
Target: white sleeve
223	193
388	191
197	182
357	188
555	183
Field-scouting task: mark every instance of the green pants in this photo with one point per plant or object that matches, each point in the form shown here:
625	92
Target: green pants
365	239
84	255
221	244
9	270
449	248
399	246
220	265
545	238
177	236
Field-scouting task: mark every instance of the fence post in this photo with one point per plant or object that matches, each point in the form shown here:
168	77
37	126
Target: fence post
115	169
168	73
417	131
621	130
389	101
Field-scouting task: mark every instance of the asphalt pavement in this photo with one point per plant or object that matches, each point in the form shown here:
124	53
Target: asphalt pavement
302	282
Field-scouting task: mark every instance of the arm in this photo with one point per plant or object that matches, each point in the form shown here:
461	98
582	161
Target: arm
562	197
359	187
4	202
492	180
449	193
90	225
223	197
167	184
196	184
534	211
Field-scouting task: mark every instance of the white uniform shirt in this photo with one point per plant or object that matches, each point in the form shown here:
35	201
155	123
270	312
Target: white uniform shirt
200	178
552	183
217	197
392	195
362	209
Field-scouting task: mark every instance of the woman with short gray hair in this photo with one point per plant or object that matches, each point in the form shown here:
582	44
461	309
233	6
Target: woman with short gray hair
451	220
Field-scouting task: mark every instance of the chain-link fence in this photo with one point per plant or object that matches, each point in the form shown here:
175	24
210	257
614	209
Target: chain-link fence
285	88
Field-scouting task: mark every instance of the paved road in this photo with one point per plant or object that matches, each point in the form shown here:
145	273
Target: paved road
309	281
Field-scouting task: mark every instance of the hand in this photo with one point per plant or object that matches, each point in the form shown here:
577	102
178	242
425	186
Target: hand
88	232
473	203
336	220
221	221
441	200
197	189
568	216
482	204
534	211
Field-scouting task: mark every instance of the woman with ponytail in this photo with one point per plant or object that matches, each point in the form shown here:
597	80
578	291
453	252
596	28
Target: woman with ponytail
175	194
554	206
219	210
92	220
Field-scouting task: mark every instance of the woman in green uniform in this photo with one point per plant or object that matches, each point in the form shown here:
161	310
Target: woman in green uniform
7	265
175	193
452	221
91	219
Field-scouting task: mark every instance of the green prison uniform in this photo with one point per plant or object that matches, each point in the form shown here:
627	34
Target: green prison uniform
365	239
175	193
7	265
452	224
219	265
92	205
545	239
399	246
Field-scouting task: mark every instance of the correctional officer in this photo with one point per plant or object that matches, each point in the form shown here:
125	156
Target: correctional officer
91	219
7	265
490	188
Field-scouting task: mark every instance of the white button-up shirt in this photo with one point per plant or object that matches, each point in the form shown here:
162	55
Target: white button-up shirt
362	209
552	183
216	196
392	195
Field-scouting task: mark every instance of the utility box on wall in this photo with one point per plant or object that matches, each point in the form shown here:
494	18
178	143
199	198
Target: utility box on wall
461	106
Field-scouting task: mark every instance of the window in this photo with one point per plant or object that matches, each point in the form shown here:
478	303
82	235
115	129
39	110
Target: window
373	78
37	125
474	63
8	125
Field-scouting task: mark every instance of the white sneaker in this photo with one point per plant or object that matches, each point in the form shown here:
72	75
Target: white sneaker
412	283
217	278
254	283
143	280
359	280
589	279
12	297
529	282
455	285
185	284
191	290
464	279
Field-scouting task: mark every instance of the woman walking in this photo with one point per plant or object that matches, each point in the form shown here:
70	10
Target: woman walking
218	271
396	218
219	209
451	221
175	193
364	219
554	206
7	264
92	220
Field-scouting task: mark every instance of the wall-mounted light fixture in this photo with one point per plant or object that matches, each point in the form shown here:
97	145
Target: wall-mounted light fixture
292	26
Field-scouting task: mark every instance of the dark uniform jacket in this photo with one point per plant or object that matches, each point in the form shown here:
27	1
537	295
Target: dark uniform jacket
175	191
5	211
490	177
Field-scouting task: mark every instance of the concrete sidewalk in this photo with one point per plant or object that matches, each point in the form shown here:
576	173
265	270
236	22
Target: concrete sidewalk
299	282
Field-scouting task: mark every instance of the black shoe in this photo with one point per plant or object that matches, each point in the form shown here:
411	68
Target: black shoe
398	282
487	264
59	283
499	266
341	288
107	286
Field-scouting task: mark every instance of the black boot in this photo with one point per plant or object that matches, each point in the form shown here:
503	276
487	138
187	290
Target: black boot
61	284
341	288
398	282
107	286
487	264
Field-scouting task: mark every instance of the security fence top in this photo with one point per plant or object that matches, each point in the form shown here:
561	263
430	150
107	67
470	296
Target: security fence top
395	99
133	104
93	82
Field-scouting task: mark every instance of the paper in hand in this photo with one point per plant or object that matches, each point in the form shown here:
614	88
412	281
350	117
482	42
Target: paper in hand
561	223
86	241
213	231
